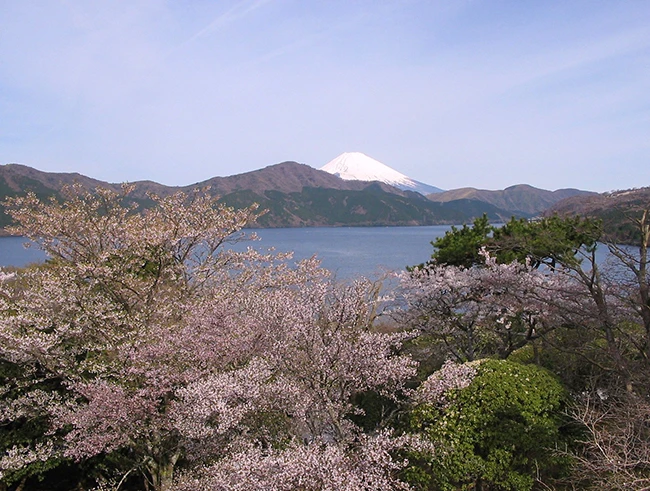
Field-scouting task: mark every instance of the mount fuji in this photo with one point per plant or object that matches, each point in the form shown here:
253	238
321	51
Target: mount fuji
356	166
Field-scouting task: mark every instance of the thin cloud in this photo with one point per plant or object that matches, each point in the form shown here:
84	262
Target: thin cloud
235	13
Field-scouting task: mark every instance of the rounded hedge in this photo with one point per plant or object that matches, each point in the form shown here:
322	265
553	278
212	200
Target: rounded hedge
500	432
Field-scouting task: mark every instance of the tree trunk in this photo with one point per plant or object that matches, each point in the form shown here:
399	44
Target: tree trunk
162	474
644	287
164	478
21	486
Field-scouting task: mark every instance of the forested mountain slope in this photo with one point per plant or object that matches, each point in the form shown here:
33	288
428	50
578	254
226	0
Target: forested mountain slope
294	195
615	209
520	199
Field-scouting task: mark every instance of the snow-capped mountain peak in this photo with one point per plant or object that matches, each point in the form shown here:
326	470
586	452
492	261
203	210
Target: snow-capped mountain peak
358	166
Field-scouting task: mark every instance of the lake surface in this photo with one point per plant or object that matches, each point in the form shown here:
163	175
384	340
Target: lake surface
347	251
14	253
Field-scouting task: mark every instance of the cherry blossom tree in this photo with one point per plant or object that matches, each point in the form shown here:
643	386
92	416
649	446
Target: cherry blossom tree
92	322
606	302
480	311
321	351
364	465
144	336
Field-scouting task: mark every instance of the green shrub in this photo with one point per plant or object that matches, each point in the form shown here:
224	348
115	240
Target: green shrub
497	433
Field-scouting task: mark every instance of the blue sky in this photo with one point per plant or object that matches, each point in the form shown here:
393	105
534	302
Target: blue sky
453	93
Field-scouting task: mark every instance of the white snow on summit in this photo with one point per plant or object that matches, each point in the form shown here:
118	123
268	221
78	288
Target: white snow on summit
357	166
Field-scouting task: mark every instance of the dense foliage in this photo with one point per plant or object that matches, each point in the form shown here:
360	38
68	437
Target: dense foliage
147	354
549	241
144	346
587	320
494	427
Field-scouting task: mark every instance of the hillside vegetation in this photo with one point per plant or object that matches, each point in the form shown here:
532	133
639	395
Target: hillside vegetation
519	200
618	211
293	195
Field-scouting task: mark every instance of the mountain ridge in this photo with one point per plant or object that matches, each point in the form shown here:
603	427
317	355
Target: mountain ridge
616	210
288	176
519	198
296	195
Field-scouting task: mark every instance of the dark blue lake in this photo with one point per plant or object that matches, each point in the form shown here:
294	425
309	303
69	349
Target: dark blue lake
347	251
